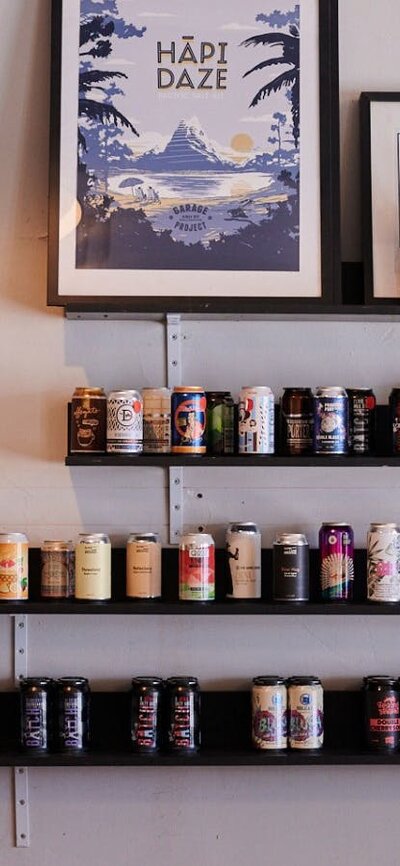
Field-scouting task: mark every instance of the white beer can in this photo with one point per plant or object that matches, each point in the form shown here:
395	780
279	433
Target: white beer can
143	566
93	567
383	562
124	422
256	420
243	547
306	713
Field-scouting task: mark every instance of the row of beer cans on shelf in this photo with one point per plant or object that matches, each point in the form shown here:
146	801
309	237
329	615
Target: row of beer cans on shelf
190	420
83	570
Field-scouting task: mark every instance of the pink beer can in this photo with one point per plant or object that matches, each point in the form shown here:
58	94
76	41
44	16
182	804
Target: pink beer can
383	562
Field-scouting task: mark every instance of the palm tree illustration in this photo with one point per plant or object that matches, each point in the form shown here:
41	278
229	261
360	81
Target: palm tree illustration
289	78
92	33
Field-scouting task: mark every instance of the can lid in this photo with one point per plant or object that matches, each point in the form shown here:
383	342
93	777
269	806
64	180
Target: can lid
197	538
356	390
13	538
182	682
304	681
334	390
379	680
243	527
291	538
189	389
335	524
49	544
299	390
89	392
262	388
93	538
143	536
147	681
269	680
36	681
128	393
72	681
383	525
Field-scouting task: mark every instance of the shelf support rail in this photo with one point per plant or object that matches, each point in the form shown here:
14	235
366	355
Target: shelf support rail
20	780
174	377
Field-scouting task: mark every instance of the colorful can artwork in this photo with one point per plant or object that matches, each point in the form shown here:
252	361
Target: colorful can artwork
183	714
124	422
146	714
73	713
197	568
362	420
188	411
306	713
13	566
88	421
383	562
269	713
256	420
382	713
36	713
336	546
331	421
156	420
220	422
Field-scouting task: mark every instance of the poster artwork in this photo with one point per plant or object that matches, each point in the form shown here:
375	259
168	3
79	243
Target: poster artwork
189	135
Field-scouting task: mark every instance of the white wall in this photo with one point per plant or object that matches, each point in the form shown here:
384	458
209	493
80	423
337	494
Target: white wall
204	816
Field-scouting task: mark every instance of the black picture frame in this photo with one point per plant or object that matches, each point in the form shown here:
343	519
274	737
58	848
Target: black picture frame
330	298
367	99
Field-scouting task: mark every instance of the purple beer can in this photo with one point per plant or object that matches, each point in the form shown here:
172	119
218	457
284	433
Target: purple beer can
336	546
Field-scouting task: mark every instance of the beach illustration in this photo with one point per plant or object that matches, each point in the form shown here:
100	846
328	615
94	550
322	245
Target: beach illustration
189	135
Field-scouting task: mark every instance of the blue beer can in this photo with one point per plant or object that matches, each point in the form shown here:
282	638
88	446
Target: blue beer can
331	421
188	420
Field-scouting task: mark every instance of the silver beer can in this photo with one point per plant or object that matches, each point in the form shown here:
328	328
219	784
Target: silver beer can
93	567
243	547
269	713
383	562
306	713
156	420
124	422
256	420
143	566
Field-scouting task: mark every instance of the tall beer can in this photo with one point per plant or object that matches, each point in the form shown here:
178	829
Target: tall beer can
362	412
124	422
88	421
306	713
291	558
336	546
197	567
269	713
243	547
297	421
256	420
188	420
156	420
93	567
143	566
13	566
383	562
331	421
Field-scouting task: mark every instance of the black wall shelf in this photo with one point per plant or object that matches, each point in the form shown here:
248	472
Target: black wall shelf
171	606
226	725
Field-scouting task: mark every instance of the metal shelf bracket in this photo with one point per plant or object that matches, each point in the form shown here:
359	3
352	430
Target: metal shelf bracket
174	377
21	801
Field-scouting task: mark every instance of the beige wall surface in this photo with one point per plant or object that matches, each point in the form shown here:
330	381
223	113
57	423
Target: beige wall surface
204	816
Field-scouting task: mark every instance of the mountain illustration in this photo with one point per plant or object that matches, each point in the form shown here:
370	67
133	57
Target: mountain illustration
189	149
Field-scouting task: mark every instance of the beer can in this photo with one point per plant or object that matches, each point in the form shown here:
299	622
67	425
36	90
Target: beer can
156	420
183	714
197	567
143	565
256	420
243	548
188	420
13	566
146	714
73	714
220	422
297	421
382	713
93	567
57	569
36	708
88	421
124	422
362	412
394	407
331	421
336	546
269	713
306	713
383	562
291	568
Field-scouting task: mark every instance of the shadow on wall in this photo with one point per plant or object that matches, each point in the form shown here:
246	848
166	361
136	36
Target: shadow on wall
30	420
24	101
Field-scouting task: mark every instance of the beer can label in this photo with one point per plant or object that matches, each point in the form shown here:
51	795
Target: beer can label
189	423
197	573
383	720
291	572
269	717
125	425
256	423
13	571
244	557
93	571
306	717
297	433
34	721
331	424
383	555
157	434
143	569
88	425
145	726
182	734
58	573
72	731
337	563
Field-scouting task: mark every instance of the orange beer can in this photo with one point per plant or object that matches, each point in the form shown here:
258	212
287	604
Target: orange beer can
13	566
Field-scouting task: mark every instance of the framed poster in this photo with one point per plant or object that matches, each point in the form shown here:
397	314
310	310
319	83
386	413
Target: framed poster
380	147
194	155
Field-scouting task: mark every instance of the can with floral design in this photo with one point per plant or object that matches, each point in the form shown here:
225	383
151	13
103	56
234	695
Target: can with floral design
383	562
13	566
306	713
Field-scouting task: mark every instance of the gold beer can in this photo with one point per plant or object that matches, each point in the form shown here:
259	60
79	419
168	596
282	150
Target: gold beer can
13	566
143	566
93	567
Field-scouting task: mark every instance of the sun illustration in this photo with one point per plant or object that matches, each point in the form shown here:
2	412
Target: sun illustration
242	142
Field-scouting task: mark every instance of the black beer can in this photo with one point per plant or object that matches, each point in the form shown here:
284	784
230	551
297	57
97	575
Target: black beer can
88	421
146	714
183	714
36	705
291	568
297	421
382	714
73	714
362	412
220	423
394	403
